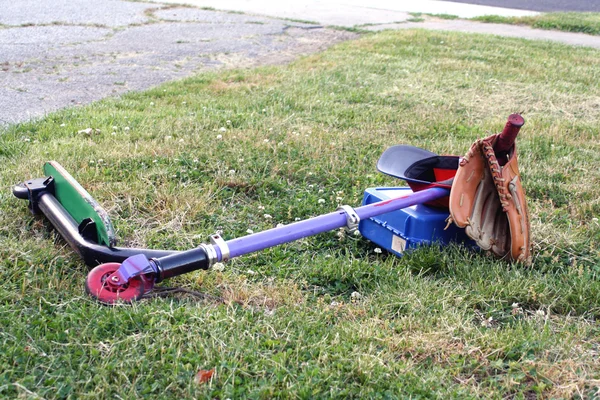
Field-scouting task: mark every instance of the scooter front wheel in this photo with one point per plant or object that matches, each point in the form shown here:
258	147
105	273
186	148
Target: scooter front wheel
98	286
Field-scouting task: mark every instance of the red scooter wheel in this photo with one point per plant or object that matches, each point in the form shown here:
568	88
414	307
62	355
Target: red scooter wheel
99	286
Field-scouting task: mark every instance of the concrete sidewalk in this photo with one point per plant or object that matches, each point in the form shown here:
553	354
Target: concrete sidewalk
376	15
350	13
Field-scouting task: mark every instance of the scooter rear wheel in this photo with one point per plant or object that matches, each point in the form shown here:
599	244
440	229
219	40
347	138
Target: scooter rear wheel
100	288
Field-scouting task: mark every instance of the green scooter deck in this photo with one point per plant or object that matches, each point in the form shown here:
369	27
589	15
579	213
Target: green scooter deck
79	203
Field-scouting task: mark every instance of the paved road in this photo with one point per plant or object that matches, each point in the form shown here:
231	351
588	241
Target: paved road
540	5
60	53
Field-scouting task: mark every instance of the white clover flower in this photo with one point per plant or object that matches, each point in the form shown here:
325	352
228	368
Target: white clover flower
228	122
250	231
27	139
321	201
285	163
63	125
222	129
100	160
377	250
113	133
219	136
184	102
280	225
266	140
541	313
126	128
154	161
297	219
311	186
250	272
232	172
356	296
87	131
321	190
181	140
268	216
515	305
339	198
219	267
195	160
151	103
261	207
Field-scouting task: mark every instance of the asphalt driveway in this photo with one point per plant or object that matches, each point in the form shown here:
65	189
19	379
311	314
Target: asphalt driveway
60	53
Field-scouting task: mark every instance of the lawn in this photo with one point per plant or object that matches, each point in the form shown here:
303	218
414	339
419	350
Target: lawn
241	150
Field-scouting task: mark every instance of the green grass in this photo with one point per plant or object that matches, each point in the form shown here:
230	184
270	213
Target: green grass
563	21
445	323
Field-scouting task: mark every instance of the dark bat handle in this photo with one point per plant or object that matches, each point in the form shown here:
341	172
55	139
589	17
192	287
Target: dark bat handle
509	134
506	140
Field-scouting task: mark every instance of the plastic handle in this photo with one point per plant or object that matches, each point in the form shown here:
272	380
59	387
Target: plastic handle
507	138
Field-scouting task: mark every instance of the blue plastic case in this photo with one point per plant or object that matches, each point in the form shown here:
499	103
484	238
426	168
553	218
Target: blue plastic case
405	229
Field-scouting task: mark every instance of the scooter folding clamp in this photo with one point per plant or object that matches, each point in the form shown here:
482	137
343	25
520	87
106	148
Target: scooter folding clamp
217	240
211	254
352	218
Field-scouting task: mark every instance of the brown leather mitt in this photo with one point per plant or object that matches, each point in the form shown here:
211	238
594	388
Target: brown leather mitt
487	199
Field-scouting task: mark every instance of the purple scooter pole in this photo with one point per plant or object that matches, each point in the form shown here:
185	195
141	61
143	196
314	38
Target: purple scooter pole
129	281
324	223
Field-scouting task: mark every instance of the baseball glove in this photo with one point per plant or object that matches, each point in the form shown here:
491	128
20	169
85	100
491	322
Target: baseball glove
488	200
